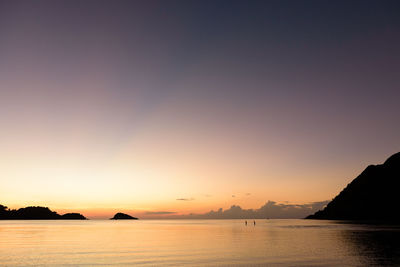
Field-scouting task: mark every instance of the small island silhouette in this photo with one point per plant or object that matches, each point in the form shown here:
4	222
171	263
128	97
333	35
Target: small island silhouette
123	216
372	196
36	213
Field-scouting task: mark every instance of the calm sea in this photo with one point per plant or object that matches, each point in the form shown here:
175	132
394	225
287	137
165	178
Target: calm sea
197	243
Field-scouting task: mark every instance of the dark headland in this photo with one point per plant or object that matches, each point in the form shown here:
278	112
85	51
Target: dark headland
372	196
36	213
123	216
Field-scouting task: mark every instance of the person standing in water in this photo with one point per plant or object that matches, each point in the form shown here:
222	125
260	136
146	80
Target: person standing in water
245	223
254	223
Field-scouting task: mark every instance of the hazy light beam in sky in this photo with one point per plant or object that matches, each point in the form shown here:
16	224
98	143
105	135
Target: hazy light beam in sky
137	104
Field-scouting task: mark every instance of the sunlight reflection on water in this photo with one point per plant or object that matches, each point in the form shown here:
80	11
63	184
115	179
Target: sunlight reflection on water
197	242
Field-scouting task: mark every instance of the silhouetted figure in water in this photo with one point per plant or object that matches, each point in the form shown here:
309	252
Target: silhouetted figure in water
245	223
254	223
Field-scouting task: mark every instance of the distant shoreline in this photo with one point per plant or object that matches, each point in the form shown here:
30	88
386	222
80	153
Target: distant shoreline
36	213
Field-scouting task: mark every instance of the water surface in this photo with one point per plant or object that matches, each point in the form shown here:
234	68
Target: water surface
198	243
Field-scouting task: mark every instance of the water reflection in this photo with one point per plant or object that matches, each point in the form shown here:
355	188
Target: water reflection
373	245
198	243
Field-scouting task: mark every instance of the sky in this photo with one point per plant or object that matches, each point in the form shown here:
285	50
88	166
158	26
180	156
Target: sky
178	107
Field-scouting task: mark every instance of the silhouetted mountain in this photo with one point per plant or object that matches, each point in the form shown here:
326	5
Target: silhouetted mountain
36	213
123	216
373	195
4	213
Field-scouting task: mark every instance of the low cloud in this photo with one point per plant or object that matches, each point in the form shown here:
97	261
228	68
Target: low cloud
185	199
160	212
271	209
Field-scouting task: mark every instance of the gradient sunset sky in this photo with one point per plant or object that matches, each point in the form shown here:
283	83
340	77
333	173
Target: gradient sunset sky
187	106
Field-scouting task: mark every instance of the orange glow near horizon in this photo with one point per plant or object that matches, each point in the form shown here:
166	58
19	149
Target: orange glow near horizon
158	167
161	163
